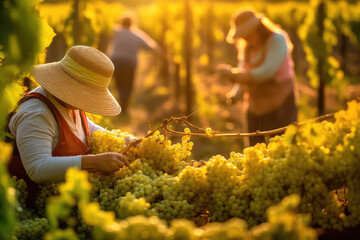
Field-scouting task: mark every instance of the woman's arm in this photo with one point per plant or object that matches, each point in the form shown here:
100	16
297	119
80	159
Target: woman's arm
35	128
237	75
275	54
241	76
146	42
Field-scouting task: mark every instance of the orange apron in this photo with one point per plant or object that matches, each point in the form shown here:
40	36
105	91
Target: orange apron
69	145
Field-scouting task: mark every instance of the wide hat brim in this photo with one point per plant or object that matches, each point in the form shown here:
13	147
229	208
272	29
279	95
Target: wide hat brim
244	30
89	98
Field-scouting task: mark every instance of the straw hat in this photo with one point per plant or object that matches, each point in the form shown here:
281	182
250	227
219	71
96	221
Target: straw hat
80	79
243	23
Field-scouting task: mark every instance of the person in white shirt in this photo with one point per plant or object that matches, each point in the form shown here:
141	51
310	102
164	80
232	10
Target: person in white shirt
265	71
50	127
128	40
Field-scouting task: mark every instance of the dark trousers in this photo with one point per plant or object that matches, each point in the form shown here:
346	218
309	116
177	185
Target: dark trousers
124	77
278	118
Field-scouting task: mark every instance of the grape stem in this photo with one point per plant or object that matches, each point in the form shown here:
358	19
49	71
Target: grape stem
135	143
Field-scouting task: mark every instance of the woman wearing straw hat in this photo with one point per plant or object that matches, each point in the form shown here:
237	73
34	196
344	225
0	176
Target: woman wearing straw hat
50	127
265	71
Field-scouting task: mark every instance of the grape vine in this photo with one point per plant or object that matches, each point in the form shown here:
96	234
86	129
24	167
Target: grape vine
316	161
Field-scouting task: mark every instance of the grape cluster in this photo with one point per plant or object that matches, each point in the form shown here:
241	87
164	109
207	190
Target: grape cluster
130	205
224	181
45	191
22	211
31	229
161	154
283	223
138	184
316	161
109	141
100	181
149	177
192	185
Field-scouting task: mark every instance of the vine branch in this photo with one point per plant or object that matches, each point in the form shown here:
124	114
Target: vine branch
257	133
200	131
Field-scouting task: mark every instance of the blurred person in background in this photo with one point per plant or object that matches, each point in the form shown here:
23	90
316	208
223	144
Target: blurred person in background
265	71
50	129
127	41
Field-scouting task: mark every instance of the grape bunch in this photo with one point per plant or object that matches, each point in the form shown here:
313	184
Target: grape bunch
31	229
44	193
223	180
130	205
161	154
316	161
109	141
22	212
283	223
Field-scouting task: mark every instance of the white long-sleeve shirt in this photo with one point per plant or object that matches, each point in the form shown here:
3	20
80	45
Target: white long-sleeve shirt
37	134
276	52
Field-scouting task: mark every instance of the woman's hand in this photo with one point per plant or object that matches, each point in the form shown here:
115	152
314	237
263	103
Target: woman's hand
225	71
241	76
130	139
236	75
103	162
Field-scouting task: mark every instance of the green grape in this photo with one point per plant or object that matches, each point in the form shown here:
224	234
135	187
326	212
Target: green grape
317	161
140	227
183	229
45	191
106	199
68	234
130	205
22	211
284	223
208	131
31	228
161	154
21	190
234	229
109	141
191	186
100	181
222	178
